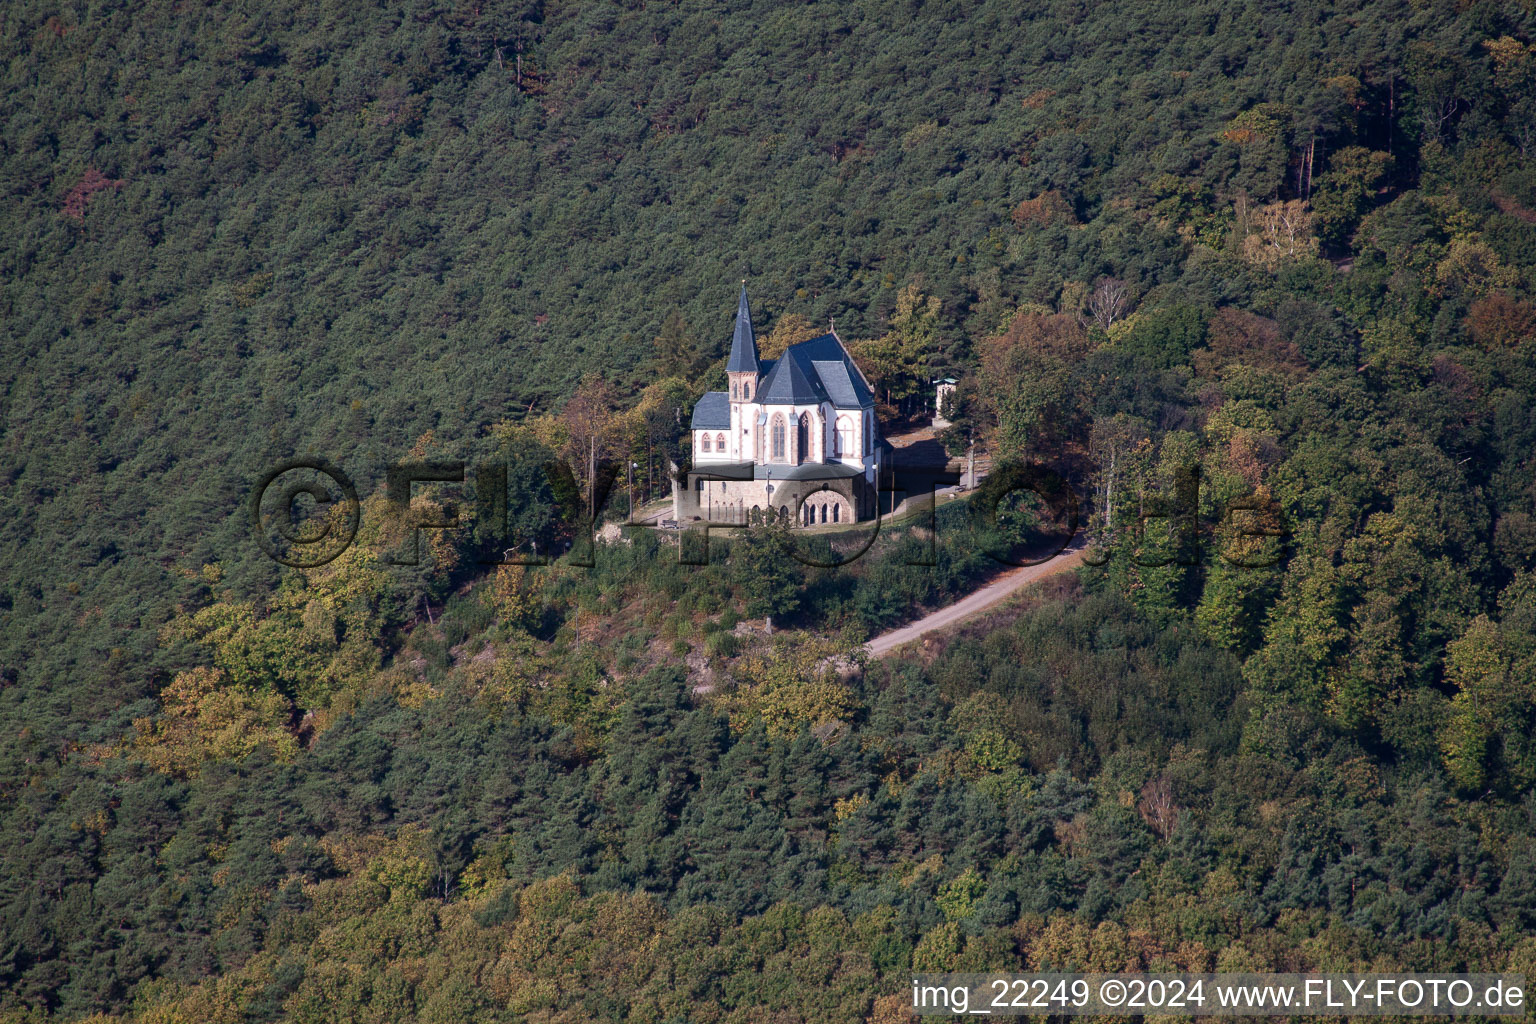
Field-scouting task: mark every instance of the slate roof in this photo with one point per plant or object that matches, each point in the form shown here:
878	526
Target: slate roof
818	370
791	382
814	371
713	411
743	344
838	385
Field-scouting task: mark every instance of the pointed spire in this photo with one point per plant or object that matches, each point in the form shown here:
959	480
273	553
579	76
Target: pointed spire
743	344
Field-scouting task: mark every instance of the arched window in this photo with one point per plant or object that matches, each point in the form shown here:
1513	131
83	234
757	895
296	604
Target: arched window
704	442
823	513
834	512
844	436
719	442
746	392
733	391
803	438
777	436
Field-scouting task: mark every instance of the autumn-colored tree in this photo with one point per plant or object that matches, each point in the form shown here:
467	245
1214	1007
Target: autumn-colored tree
1023	382
85	190
1499	320
513	595
897	363
1238	336
793	684
789	329
655	432
1472	267
590	421
1514	72
325	629
205	717
1281	233
1048	208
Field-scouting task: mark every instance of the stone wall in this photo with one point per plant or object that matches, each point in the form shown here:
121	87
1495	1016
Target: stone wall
734	501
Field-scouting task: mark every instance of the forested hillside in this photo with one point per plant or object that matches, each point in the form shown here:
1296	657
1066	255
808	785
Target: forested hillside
1282	253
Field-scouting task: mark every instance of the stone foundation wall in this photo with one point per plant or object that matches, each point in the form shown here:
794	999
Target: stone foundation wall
734	501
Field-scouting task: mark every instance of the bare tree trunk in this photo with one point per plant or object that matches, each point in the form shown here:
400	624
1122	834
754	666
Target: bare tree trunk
1108	302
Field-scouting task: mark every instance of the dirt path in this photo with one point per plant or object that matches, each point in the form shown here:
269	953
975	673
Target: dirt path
989	595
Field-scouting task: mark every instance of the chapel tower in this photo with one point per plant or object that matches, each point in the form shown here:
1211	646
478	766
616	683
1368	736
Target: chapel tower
743	368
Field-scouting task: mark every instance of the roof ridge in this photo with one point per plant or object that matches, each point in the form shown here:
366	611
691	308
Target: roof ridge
849	357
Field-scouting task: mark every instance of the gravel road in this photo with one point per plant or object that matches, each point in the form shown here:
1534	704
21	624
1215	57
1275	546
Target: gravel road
989	595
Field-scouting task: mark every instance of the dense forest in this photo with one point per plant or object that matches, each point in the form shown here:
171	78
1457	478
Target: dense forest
1258	282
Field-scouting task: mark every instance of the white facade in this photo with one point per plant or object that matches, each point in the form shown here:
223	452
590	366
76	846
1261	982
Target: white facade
796	435
833	436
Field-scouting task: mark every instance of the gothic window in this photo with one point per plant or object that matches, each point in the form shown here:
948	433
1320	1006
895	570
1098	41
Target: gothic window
746	392
803	439
719	442
778	437
705	442
844	436
733	391
834	512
